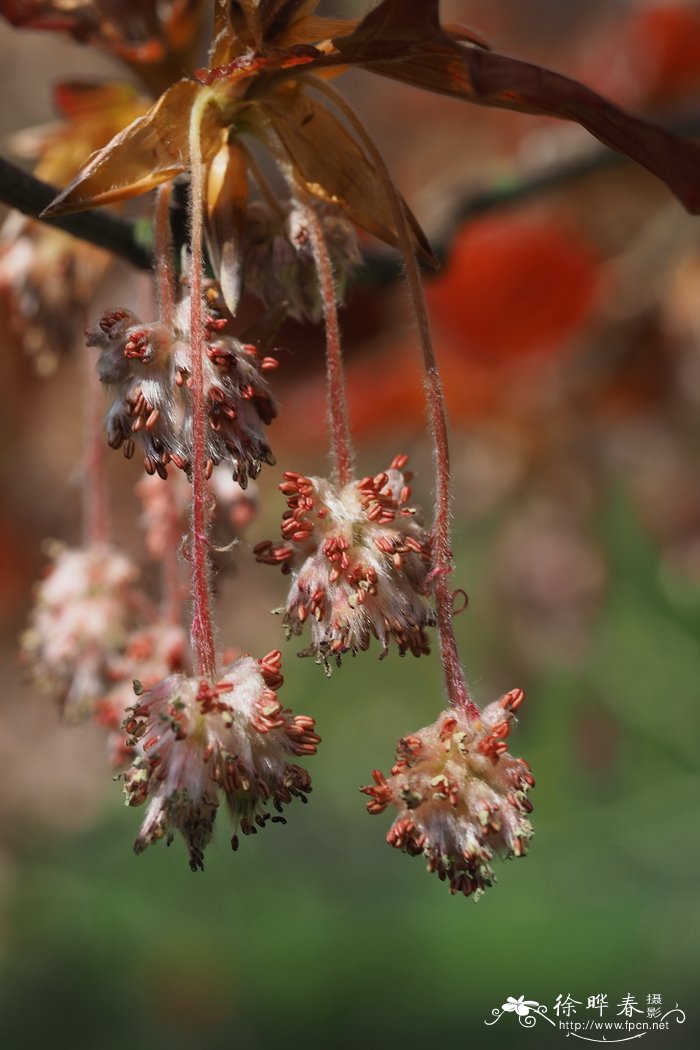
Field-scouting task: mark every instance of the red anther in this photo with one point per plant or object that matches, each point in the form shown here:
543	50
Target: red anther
399	462
263	547
216	394
112	319
216	324
268	364
513	700
272	661
447	728
152	419
151	742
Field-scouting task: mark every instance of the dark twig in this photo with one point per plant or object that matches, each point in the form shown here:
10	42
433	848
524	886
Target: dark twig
102	228
133	241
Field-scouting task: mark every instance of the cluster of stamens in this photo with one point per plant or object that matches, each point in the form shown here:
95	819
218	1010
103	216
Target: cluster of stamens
196	740
148	368
461	798
359	561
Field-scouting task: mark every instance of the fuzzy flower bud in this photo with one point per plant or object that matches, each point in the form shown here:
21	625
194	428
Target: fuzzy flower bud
359	562
196	742
79	625
461	798
278	262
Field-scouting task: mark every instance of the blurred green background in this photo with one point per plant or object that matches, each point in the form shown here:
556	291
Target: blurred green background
318	934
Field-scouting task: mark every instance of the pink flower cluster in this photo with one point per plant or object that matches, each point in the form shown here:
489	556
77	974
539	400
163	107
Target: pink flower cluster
359	561
195	743
461	798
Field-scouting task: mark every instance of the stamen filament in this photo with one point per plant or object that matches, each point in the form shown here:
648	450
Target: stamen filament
94	489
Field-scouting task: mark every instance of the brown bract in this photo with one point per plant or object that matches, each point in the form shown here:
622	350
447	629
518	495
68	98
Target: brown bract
263	58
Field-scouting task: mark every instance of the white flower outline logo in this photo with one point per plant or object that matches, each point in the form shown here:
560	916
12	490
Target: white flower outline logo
520	1006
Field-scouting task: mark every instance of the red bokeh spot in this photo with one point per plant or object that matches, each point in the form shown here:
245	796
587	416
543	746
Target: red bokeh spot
512	288
664	50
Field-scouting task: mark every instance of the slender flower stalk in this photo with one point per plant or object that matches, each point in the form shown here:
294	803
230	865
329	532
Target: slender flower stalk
93	493
455	682
165	296
202	629
164	269
171	573
339	425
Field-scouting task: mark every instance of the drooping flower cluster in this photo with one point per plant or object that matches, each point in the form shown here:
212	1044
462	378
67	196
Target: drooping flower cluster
461	798
83	613
196	741
147	367
359	561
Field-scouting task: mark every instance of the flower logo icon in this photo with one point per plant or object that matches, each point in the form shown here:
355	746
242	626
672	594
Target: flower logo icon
520	1006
